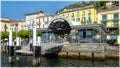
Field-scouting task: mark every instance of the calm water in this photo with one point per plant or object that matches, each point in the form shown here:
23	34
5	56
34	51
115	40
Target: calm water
57	62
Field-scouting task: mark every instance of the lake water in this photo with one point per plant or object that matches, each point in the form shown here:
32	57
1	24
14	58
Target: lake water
26	61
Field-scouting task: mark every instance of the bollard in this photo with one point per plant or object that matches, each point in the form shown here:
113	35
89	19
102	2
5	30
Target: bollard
67	54
17	48
79	55
36	48
11	48
92	56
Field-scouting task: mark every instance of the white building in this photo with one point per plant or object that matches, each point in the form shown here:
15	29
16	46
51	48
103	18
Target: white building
31	18
42	20
22	25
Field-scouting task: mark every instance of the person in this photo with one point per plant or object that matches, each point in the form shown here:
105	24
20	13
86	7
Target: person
31	44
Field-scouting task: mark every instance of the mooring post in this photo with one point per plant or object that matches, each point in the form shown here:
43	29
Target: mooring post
17	48
92	56
11	47
36	49
39	48
79	55
67	54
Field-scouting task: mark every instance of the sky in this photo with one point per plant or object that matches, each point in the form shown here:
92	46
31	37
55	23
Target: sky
18	9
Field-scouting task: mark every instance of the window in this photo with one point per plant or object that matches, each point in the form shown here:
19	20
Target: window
80	34
77	19
67	15
89	34
78	14
89	12
83	12
73	19
116	15
89	19
72	15
43	19
104	17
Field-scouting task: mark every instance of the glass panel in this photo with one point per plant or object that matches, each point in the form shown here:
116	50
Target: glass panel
80	34
89	34
77	19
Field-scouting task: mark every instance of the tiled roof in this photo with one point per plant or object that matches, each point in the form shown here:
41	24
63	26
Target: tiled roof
109	9
45	15
15	21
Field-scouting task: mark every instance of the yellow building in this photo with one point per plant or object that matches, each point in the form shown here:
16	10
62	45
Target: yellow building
4	24
110	17
81	15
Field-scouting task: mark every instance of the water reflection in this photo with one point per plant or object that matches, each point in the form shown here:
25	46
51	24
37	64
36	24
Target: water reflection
26	61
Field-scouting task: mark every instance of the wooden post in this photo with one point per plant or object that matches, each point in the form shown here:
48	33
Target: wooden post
11	48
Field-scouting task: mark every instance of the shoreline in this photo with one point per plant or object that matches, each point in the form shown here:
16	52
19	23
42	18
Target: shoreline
111	52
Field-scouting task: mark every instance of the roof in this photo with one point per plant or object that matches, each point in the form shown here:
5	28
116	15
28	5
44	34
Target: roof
45	15
15	21
4	20
109	9
37	12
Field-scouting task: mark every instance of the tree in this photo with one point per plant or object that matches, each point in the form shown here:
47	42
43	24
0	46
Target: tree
116	3
23	34
39	34
4	35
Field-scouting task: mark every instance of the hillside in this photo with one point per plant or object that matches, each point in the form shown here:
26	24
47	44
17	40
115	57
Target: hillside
98	4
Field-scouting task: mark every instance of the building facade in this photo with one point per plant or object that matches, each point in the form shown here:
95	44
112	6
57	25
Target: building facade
42	20
31	18
82	15
5	25
110	18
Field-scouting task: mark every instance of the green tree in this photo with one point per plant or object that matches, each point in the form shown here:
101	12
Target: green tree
116	3
39	34
4	35
23	34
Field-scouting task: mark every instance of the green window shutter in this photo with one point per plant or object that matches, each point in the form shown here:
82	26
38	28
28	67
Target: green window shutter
104	17
115	21
116	15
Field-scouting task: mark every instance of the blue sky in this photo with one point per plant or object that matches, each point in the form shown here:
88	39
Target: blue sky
18	9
